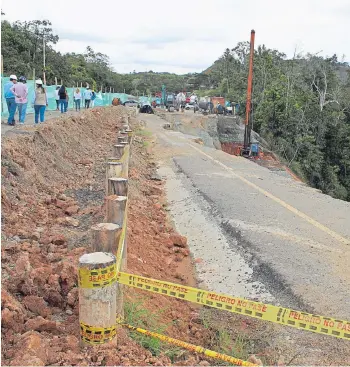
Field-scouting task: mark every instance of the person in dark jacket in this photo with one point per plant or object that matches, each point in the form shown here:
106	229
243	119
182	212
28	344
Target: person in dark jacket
62	92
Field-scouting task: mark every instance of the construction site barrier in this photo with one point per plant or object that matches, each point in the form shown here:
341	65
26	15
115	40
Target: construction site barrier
278	315
102	98
188	346
113	235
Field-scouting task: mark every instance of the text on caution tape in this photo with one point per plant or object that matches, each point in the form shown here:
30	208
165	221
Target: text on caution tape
280	315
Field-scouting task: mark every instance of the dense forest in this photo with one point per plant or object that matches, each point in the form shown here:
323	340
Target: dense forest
301	105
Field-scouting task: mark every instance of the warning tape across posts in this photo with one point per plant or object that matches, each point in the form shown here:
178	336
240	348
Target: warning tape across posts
96	278
188	346
121	243
279	315
97	335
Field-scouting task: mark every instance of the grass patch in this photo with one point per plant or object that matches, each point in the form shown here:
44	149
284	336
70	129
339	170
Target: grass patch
220	338
227	338
137	315
143	132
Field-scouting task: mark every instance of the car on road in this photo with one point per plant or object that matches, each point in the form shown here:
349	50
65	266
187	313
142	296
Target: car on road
131	103
189	106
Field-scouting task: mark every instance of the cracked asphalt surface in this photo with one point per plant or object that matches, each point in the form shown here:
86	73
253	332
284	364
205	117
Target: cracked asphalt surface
295	240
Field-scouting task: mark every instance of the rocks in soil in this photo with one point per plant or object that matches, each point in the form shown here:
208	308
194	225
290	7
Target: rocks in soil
40	324
40	291
178	240
72	210
71	222
32	350
156	177
13	313
37	305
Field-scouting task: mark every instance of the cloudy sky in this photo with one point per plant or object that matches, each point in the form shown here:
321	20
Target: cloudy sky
188	36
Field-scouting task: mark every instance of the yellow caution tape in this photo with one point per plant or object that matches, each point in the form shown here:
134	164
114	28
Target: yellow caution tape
191	347
122	239
279	315
96	278
97	335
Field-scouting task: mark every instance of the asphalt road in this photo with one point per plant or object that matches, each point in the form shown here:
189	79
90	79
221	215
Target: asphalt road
286	242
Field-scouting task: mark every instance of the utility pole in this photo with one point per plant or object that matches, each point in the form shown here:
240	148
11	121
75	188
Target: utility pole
44	61
248	126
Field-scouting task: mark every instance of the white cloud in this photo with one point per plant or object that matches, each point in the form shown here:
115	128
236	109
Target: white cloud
188	35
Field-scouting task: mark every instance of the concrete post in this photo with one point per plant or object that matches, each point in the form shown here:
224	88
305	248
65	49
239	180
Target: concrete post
129	131
121	139
123	133
116	213
117	186
105	237
119	150
115	209
126	158
97	297
113	169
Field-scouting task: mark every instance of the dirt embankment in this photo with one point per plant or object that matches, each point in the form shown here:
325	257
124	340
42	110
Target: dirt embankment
52	192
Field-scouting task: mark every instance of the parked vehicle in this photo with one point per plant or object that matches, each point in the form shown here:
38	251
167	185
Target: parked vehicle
170	102
131	103
146	108
189	106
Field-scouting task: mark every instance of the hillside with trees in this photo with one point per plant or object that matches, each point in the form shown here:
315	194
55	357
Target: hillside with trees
301	106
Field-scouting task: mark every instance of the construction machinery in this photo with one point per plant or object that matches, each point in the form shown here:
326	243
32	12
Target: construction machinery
163	99
170	102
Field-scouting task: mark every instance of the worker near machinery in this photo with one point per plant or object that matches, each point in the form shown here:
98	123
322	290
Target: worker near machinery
210	107
219	109
180	100
193	99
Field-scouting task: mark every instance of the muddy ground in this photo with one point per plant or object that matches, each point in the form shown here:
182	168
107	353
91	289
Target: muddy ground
53	181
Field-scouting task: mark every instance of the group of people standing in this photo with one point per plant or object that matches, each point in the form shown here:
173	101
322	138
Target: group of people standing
16	95
62	98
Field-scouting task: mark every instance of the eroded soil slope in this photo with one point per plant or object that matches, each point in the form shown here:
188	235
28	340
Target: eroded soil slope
53	182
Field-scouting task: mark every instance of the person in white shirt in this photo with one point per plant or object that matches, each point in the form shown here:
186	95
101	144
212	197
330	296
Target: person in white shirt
77	99
193	99
57	98
87	97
